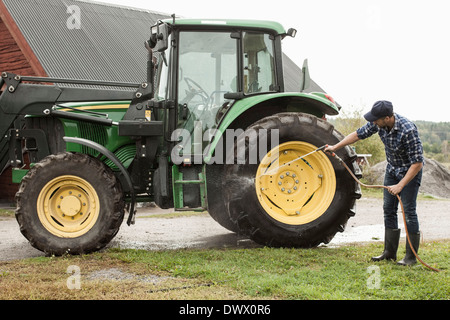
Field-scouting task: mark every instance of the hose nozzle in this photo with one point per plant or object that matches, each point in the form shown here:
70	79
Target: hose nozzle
332	153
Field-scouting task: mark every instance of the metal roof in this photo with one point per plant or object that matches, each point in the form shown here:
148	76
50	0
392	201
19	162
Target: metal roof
292	77
108	45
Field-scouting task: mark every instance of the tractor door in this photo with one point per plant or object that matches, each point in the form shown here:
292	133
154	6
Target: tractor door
207	69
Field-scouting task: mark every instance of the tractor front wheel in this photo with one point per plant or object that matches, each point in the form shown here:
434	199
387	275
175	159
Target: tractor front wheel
69	203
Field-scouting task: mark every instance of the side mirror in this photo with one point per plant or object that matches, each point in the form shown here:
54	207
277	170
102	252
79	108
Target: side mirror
292	32
159	39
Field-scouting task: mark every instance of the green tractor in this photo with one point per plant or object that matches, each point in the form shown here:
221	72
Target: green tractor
212	129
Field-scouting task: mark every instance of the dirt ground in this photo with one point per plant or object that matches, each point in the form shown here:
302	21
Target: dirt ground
201	231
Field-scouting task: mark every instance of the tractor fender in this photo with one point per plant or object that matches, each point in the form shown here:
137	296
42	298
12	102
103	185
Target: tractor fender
244	112
111	156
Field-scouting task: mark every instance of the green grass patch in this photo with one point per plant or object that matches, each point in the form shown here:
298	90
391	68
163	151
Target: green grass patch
9	213
343	273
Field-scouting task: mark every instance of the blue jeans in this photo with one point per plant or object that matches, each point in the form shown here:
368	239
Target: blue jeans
409	200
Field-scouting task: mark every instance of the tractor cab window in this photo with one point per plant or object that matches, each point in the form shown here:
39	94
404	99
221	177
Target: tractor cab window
259	63
162	78
207	70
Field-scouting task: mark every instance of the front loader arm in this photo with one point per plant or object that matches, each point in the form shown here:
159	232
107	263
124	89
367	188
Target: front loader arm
19	99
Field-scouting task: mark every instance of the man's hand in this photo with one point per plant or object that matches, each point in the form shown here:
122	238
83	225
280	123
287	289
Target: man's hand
330	149
395	189
412	172
350	139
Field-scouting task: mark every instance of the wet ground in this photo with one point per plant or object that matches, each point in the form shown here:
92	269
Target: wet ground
201	231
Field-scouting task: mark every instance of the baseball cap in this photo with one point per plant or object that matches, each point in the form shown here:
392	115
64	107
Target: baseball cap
379	110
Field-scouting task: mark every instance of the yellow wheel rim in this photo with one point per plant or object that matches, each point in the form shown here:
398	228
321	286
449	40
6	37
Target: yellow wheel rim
294	191
68	206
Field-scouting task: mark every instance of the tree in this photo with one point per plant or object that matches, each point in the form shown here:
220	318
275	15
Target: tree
435	136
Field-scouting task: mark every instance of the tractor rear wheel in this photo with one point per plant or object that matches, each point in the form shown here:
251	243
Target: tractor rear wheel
284	201
69	203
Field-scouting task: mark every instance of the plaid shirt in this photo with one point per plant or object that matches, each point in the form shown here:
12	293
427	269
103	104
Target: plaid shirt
402	144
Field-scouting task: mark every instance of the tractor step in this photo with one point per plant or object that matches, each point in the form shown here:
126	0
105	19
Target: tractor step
189	194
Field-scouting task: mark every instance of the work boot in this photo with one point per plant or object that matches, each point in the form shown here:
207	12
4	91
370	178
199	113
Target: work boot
391	239
410	258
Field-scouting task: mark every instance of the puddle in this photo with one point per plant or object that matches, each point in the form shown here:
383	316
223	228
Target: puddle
368	233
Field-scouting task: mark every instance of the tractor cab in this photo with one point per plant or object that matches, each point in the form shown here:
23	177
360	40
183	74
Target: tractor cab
205	65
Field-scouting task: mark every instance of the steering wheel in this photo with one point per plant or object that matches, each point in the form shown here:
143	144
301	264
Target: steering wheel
196	89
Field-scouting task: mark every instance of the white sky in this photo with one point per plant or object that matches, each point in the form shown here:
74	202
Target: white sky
359	51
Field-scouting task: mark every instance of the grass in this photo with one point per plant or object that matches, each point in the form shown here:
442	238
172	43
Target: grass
8	213
343	273
323	273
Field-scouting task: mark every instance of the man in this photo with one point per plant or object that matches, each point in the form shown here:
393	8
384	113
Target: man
403	175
